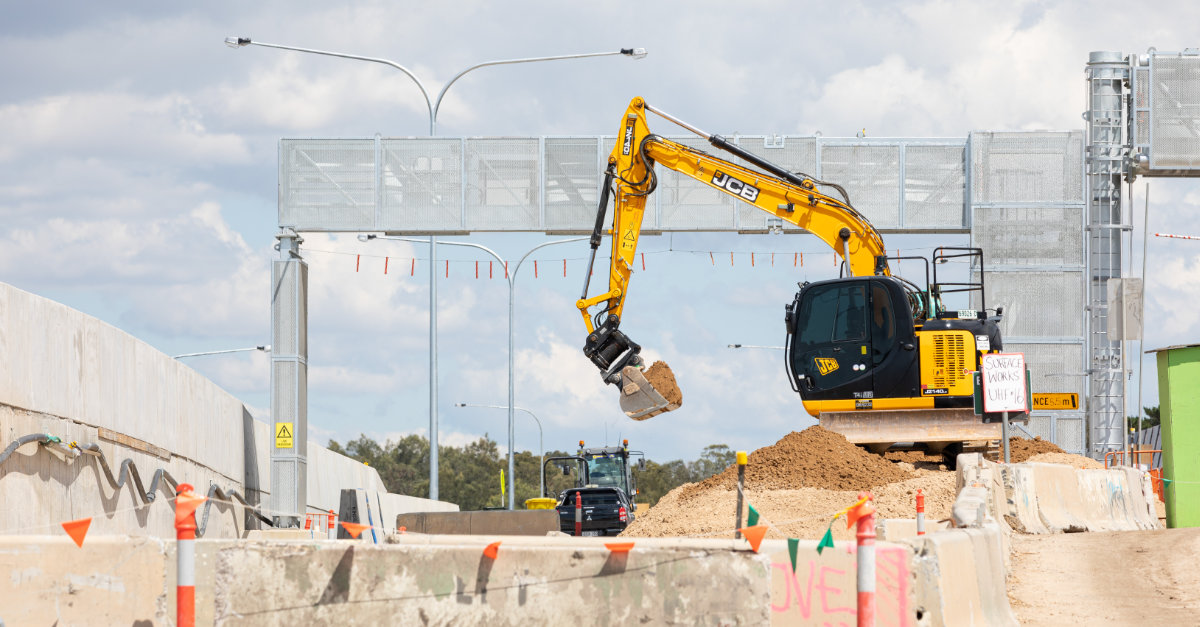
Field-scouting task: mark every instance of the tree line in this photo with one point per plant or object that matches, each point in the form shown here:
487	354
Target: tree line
470	475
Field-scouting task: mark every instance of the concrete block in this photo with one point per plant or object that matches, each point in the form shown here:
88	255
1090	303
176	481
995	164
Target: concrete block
823	589
896	529
960	578
112	580
1059	502
448	580
533	522
1021	500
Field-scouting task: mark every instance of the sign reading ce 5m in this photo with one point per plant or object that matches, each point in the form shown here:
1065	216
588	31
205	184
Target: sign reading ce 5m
1056	401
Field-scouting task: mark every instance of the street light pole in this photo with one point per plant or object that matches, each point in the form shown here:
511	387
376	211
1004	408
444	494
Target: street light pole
512	286
265	349
633	53
541	442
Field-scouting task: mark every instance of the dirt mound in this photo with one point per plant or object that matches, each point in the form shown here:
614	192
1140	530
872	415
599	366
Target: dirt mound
798	483
799	513
813	458
660	376
1020	449
1075	461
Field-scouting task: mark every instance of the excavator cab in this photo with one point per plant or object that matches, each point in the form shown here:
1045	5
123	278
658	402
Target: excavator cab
852	338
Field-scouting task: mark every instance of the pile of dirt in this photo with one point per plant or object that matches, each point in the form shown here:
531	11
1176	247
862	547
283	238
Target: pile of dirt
660	376
1020	449
800	513
813	458
797	484
1074	461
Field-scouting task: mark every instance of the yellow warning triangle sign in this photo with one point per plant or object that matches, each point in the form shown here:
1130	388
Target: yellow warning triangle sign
284	432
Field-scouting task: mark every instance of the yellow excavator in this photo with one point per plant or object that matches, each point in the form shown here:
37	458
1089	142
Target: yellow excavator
873	356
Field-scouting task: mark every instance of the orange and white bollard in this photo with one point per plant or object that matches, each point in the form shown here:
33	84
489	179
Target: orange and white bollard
578	514
332	519
920	513
866	568
185	563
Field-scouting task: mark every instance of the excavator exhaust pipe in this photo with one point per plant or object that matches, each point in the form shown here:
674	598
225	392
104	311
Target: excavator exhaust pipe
645	395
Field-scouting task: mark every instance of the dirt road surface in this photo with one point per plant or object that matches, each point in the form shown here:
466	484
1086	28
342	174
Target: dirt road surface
1110	578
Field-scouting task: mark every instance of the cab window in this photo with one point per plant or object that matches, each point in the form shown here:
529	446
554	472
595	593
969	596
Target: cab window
833	313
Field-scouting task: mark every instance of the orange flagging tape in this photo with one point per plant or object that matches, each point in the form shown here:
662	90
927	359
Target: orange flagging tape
354	529
754	535
857	511
77	529
619	547
492	550
185	504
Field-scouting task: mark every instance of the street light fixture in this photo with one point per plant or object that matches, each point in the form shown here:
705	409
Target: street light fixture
265	349
633	53
541	442
776	348
512	286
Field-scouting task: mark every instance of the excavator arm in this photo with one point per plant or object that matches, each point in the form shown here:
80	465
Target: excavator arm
630	179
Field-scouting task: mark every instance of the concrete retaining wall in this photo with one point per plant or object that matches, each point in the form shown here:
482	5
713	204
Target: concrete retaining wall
75	377
448	580
532	522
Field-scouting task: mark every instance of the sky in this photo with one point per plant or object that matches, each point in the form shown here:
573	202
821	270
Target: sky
138	184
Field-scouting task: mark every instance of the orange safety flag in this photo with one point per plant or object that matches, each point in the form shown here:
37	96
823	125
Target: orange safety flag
77	529
491	550
858	510
354	529
618	547
185	504
754	535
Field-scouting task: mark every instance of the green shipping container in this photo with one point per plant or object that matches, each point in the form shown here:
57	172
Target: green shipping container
1179	399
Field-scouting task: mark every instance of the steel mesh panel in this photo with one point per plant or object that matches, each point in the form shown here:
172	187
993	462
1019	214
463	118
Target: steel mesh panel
795	154
573	176
1040	425
1142	94
871	176
686	204
934	186
284	297
302	313
1052	367
284	398
1036	304
283	484
1069	434
1143	128
503	184
1051	236
1026	167
327	185
421	181
1175	112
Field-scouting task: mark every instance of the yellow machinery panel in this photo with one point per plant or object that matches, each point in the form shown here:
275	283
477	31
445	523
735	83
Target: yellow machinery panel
947	360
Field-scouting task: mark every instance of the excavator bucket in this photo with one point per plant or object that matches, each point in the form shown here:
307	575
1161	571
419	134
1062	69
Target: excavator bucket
641	399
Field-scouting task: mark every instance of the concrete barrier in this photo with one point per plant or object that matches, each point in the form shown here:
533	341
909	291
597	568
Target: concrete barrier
896	529
1021	513
1054	498
448	580
533	522
822	589
960	577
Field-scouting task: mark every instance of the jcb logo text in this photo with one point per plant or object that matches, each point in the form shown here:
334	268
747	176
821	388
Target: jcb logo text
745	190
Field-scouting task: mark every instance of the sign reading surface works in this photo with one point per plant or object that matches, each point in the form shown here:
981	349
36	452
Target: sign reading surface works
284	435
1056	401
1003	382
